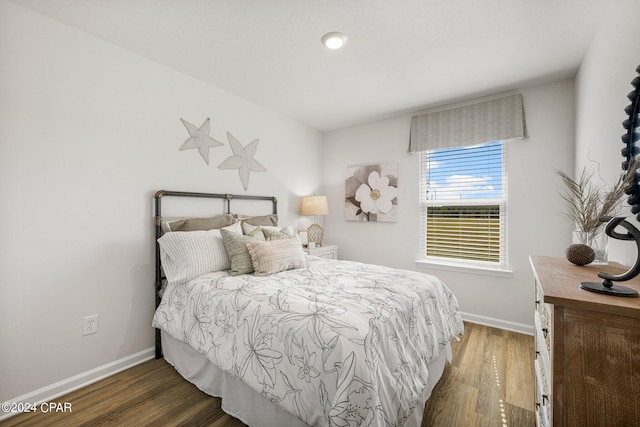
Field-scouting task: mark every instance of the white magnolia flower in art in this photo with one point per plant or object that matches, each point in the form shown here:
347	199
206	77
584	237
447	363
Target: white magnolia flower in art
377	196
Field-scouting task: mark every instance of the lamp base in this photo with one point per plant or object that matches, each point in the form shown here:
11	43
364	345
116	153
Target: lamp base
315	233
608	288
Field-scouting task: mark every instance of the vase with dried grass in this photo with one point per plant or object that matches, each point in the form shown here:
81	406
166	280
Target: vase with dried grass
588	205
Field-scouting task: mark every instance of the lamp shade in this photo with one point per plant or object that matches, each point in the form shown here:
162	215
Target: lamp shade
314	206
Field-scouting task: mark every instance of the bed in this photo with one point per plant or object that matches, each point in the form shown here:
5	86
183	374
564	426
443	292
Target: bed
290	339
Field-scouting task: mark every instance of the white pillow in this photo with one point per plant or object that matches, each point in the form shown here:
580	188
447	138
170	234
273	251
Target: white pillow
186	255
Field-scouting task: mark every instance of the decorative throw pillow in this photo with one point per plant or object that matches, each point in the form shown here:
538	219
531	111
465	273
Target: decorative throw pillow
236	246
258	220
271	234
257	232
194	224
250	229
186	255
276	255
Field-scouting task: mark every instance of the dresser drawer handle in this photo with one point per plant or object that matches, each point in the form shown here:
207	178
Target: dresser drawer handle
545	399
545	332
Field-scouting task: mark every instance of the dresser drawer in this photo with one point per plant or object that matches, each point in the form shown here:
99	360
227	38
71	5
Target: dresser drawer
542	367
543	400
545	310
543	371
543	319
543	331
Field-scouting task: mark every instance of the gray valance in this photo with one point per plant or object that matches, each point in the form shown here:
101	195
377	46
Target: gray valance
498	119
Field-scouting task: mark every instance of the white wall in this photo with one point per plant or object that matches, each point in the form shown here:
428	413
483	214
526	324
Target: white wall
88	132
535	227
602	85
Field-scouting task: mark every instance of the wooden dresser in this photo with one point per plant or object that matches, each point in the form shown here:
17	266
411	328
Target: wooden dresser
587	360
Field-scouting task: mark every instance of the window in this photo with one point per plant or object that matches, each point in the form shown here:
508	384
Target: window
463	205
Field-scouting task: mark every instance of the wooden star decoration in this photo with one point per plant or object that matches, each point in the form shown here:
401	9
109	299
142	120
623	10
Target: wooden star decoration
199	138
242	159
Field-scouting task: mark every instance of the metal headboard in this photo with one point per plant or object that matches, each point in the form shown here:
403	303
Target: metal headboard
158	231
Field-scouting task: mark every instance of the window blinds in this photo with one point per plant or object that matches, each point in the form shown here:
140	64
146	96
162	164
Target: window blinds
463	233
498	119
463	204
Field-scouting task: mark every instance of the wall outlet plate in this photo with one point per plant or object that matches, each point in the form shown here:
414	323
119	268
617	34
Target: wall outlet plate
90	325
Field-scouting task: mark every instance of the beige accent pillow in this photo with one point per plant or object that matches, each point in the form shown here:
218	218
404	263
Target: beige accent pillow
258	220
196	224
275	255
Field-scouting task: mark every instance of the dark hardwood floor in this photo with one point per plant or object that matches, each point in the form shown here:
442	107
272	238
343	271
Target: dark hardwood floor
489	383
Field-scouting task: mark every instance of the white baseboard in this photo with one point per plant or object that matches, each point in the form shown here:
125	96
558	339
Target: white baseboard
498	323
53	391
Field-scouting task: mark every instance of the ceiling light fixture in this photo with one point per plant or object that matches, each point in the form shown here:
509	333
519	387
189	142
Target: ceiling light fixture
334	40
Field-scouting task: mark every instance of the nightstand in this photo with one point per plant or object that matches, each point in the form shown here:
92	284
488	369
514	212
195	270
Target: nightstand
325	251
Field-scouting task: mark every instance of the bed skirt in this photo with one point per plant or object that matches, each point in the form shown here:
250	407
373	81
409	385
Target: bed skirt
244	403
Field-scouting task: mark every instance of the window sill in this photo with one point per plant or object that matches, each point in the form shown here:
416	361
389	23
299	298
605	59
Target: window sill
464	268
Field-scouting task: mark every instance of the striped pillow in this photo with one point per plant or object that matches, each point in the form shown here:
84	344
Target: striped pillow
186	255
274	256
236	246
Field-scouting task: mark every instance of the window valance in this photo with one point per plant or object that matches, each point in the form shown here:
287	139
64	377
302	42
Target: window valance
498	119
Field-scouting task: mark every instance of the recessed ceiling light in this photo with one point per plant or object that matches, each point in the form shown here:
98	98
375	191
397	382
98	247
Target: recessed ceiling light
334	40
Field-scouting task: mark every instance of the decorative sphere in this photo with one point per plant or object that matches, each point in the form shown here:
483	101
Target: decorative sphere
580	254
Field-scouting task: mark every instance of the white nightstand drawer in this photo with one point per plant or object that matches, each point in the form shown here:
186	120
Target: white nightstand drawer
324	251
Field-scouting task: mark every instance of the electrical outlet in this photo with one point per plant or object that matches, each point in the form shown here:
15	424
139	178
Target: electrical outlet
90	325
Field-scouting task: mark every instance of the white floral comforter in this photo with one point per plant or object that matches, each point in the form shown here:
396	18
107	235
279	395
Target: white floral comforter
337	343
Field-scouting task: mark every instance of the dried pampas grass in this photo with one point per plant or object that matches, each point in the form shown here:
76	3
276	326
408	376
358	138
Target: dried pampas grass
587	203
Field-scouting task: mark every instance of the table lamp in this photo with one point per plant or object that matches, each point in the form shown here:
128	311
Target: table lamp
314	206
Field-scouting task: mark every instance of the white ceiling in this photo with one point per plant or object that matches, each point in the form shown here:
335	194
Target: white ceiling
401	55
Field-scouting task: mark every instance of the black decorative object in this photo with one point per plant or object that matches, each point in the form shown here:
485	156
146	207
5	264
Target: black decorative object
630	152
630	139
607	287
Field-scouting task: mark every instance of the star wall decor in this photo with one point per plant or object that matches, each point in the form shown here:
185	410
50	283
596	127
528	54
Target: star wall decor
242	159
199	138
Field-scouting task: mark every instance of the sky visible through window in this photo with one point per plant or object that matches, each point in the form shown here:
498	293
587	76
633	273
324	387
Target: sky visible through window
473	172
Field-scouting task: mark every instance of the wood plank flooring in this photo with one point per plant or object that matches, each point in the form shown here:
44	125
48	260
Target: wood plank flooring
489	383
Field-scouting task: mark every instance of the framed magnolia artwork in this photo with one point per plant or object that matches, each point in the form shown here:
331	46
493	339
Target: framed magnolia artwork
371	192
